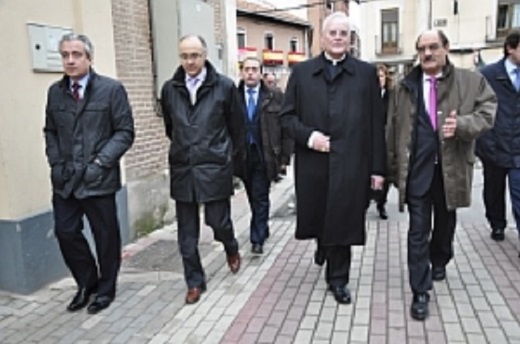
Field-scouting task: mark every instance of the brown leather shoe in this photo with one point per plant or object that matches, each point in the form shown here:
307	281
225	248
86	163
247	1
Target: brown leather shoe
193	295
234	262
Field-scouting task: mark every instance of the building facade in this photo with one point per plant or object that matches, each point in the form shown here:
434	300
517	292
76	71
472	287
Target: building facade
390	28
277	38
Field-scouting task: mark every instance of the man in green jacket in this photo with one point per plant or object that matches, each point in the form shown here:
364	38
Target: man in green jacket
436	114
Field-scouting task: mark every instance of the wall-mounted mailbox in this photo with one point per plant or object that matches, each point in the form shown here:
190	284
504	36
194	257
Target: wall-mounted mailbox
44	41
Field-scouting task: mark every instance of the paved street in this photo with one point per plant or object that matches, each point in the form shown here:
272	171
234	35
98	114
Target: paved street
281	297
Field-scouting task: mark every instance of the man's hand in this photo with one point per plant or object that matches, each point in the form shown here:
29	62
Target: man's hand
450	125
321	142
377	182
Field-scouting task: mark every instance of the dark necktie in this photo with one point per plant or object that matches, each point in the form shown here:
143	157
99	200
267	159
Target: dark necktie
75	91
251	106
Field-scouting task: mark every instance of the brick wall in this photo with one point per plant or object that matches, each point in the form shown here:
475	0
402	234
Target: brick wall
133	48
219	30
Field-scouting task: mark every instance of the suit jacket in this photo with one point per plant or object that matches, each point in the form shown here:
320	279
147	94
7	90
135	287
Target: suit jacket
275	145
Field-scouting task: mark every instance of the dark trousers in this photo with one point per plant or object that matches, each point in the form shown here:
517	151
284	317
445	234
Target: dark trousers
494	194
421	249
217	215
380	196
101	213
257	187
338	259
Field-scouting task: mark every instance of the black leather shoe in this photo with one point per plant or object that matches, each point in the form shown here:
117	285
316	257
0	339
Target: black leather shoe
99	303
438	273
257	249
497	234
81	299
419	307
341	294
382	212
319	257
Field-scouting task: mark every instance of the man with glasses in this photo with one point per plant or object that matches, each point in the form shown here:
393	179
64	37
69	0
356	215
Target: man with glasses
499	148
436	114
203	121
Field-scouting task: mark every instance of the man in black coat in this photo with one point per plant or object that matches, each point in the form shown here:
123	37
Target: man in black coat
88	127
333	110
268	149
499	148
204	123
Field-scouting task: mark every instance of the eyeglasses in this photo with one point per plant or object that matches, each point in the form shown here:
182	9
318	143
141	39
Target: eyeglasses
340	33
190	57
431	47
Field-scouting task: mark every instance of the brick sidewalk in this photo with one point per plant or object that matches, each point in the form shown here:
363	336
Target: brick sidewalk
281	297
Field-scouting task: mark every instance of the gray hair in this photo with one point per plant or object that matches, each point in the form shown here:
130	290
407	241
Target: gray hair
335	16
200	38
89	48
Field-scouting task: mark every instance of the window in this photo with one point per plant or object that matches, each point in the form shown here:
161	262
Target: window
269	41
389	31
330	5
508	16
241	38
293	45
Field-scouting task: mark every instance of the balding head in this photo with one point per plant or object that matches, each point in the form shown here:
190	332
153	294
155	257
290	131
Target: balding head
432	47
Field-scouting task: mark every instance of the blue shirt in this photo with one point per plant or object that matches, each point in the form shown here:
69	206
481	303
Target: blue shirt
511	71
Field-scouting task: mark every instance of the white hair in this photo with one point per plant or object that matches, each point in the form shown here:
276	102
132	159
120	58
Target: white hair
340	16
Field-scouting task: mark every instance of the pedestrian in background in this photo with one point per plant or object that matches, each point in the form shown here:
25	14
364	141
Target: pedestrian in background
499	148
88	128
268	147
436	114
205	126
333	110
381	196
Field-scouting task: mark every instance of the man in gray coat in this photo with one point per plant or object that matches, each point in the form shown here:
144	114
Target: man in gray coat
204	123
88	127
436	114
333	110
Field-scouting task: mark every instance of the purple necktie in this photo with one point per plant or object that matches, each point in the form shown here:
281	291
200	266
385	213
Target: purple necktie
433	102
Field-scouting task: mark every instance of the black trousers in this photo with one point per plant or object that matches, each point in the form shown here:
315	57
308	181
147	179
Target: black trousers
494	194
217	215
338	259
101	213
380	196
257	187
421	249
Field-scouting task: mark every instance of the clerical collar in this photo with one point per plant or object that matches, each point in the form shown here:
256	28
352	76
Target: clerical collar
332	60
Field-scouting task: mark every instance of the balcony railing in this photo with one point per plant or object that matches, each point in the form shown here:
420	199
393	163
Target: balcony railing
246	52
388	50
272	57
294	57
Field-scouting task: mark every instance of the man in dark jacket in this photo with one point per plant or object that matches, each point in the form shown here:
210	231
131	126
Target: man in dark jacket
205	126
268	149
333	110
88	127
436	114
499	148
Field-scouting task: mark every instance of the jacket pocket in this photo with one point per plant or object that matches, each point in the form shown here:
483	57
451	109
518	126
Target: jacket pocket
93	175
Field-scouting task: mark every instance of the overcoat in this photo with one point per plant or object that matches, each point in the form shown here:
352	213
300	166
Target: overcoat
458	89
205	137
332	189
77	133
